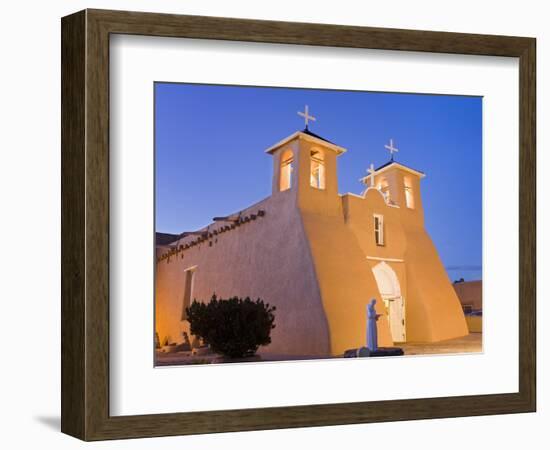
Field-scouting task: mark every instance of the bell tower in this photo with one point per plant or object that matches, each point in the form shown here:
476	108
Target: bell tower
305	166
399	184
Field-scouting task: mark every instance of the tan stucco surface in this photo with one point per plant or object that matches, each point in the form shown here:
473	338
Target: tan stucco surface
470	293
267	258
312	255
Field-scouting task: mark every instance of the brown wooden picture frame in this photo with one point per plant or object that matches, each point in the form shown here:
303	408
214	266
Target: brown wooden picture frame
85	224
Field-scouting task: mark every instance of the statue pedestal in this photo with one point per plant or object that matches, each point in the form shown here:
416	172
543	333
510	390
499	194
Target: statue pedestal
364	352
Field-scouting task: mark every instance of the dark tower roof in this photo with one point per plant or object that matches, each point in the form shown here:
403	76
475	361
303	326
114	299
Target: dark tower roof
305	133
389	163
310	133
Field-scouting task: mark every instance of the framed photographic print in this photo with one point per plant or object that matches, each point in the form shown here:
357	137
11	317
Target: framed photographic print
270	224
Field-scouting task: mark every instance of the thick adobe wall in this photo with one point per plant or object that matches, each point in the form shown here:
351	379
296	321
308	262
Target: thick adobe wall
432	309
435	313
267	258
359	214
439	315
346	283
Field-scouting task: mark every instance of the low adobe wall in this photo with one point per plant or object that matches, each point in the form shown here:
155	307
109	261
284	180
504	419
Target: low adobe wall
470	293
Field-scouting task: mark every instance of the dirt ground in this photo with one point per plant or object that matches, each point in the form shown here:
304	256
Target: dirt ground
468	344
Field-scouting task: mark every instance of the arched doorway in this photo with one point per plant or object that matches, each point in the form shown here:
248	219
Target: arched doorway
390	290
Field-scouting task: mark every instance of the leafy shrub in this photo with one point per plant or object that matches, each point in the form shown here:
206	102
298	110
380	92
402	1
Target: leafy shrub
233	327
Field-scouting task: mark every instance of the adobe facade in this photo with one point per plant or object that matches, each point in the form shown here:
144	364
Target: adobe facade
319	257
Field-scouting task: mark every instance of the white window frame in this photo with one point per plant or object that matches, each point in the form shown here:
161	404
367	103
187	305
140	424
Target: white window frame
384	188
317	180
285	172
379	230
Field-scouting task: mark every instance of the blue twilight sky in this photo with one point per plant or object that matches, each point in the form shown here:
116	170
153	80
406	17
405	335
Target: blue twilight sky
210	159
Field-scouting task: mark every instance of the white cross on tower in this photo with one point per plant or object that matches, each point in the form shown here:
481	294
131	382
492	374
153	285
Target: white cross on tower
391	148
370	175
306	116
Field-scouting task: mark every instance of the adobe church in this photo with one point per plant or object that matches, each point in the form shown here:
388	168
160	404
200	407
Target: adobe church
318	256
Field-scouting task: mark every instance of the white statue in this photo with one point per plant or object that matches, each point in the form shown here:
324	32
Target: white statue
372	329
